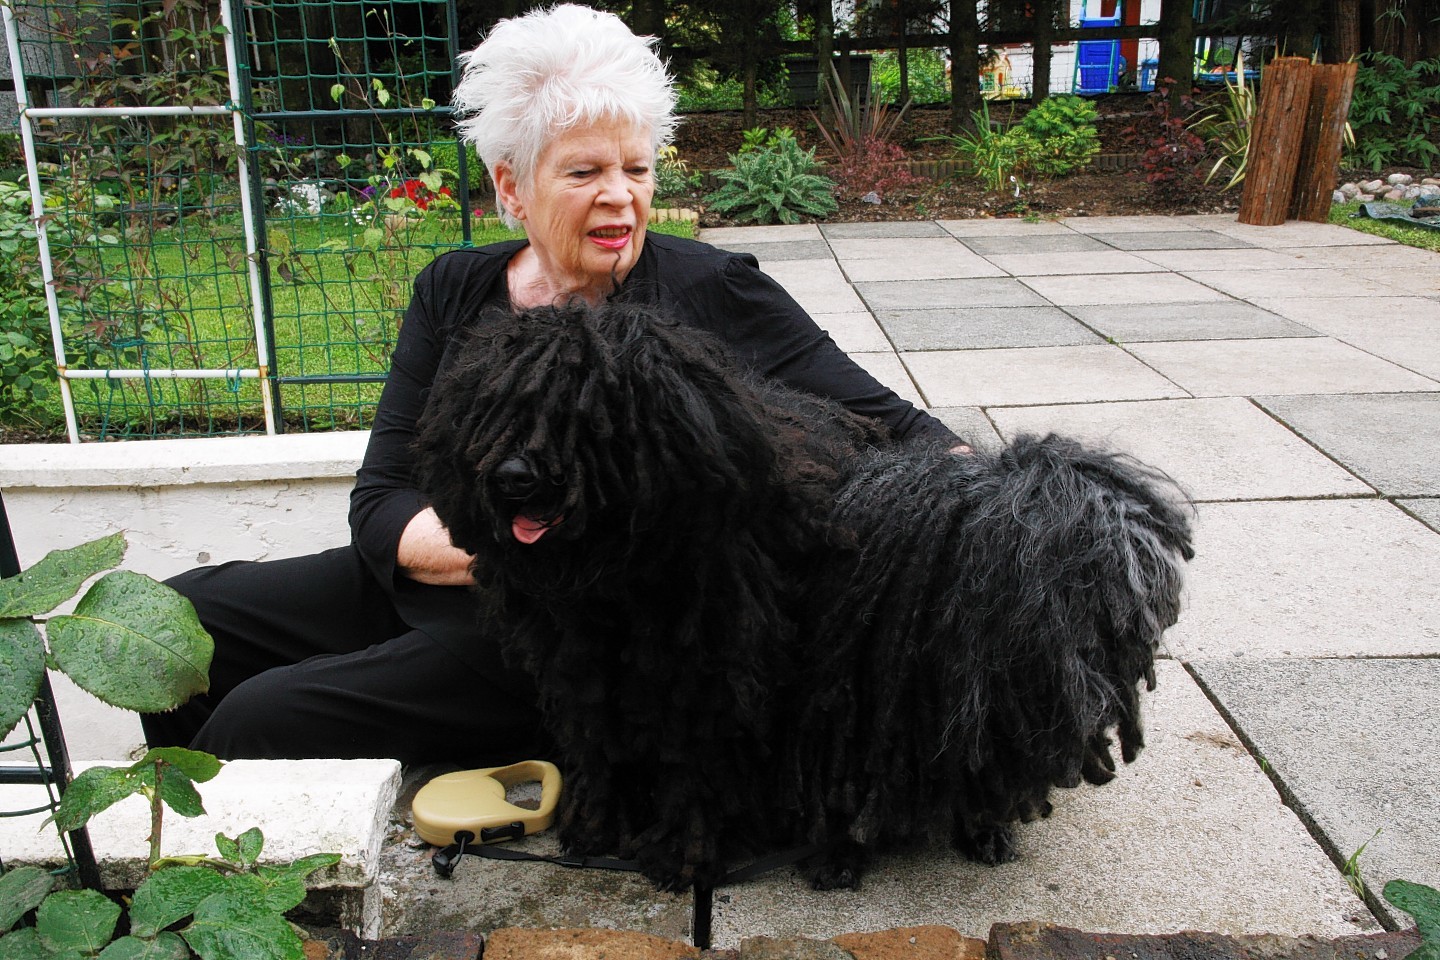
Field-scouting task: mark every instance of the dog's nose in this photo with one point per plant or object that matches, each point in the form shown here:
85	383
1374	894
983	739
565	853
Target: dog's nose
515	479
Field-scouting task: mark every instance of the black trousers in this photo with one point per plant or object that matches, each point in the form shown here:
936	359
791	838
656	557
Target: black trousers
313	659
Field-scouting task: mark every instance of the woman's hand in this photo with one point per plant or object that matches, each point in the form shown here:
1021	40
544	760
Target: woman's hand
426	554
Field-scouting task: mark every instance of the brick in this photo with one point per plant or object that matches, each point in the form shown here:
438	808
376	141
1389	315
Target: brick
513	943
931	942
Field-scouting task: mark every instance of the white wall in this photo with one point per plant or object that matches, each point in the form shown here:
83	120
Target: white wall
181	503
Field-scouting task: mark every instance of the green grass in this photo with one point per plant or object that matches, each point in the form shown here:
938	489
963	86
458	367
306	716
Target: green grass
182	300
1426	239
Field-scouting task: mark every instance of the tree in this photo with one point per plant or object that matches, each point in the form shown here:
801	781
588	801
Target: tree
1177	50
964	63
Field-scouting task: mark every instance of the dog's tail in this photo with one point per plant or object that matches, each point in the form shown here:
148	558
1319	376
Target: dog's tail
991	631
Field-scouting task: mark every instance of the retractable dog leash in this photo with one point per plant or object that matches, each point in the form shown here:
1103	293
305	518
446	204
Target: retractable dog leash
466	812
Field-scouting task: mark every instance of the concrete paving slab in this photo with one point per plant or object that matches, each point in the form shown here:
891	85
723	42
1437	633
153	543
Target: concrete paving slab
1165	240
487	895
854	332
1403	330
1004	227
1253	258
1220	368
957	262
1205	320
817	285
1127	224
1292	233
1379	260
925	294
853	231
1392	441
779	231
1217	449
1426	508
1353	745
968	328
1057	264
1121	288
1035	375
1105	860
889	370
895	248
1312	578
970	424
769	251
1068	242
1299	282
1420	283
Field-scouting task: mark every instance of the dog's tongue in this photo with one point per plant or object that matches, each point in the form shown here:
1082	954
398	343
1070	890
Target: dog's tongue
529	530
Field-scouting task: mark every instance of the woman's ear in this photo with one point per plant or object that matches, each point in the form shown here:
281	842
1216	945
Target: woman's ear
507	190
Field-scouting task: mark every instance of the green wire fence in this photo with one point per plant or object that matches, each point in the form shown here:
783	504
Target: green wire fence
235	199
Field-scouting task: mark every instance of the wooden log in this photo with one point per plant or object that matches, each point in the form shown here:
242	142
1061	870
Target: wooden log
1275	142
1330	88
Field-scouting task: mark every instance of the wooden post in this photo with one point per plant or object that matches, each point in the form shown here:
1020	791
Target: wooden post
1330	88
1275	141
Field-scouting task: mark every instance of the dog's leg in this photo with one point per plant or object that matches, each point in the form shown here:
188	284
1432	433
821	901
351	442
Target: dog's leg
984	841
678	853
837	867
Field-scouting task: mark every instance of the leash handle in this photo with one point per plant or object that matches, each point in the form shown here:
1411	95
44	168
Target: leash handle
473	802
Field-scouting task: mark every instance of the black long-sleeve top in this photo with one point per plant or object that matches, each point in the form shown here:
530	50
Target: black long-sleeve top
715	290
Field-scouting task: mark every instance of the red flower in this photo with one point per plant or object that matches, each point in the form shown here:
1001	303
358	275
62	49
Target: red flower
417	193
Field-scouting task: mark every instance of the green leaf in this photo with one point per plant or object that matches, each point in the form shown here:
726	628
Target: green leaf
57	576
337	90
92	791
166	946
23	944
229	847
251	842
22	667
21	891
199	766
80	920
179	794
134	643
234	926
171	895
1421	902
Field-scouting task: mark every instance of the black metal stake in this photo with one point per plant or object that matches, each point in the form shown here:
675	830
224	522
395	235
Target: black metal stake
704	897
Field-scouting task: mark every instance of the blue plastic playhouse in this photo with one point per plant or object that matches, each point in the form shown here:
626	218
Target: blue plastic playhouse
1098	63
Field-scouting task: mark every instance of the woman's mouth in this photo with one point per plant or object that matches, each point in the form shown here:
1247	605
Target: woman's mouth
611	238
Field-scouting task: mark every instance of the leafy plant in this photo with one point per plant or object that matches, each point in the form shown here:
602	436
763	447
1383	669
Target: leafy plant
878	167
1422	903
27	361
1394	110
772	183
855	123
1226	127
1062	135
928	83
136	644
672	174
1172	151
993	155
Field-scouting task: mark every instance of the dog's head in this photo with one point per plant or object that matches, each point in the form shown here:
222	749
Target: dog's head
578	422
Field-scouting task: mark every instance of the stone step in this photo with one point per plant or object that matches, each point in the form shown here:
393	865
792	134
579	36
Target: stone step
302	806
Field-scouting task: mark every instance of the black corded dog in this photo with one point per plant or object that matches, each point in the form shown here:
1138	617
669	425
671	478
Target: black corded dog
754	624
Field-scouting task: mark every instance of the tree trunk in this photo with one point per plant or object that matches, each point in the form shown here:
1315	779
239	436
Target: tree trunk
903	54
749	102
1044	27
1275	142
1330	88
1177	51
824	56
1342	43
964	63
647	18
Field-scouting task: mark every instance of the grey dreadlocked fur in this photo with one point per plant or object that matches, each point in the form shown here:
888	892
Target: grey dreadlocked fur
755	622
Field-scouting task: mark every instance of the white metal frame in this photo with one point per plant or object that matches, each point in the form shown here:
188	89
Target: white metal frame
262	370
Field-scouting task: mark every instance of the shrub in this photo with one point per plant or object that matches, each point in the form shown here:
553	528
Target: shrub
27	358
1172	150
445	155
775	182
672	174
990	153
877	166
1062	129
928	83
1226	126
1393	111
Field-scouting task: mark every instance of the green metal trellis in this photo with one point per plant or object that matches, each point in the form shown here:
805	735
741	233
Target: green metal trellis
235	199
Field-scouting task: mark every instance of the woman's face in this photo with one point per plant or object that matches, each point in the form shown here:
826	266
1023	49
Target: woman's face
585	210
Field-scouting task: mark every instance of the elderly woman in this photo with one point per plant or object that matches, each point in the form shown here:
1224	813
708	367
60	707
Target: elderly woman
372	649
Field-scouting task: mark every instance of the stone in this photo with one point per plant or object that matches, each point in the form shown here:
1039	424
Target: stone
1400	179
1395	194
1350	190
1040	941
514	943
1338	196
1365	197
1372	186
931	942
1429	191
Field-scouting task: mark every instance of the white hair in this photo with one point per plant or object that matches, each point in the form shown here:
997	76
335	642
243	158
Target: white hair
553	69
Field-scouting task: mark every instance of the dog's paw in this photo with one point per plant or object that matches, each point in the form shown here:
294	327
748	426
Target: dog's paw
990	843
837	867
